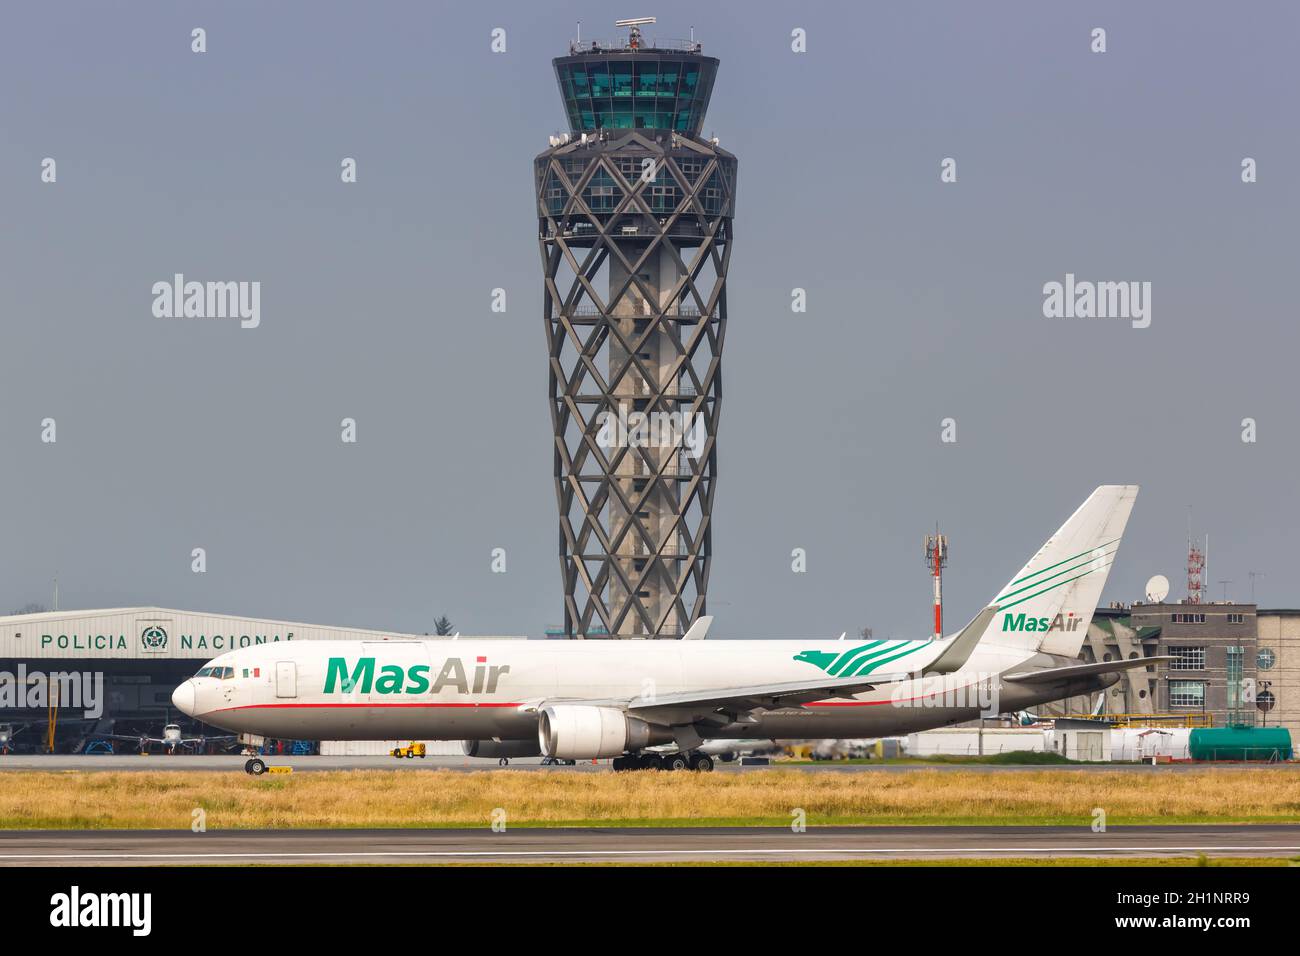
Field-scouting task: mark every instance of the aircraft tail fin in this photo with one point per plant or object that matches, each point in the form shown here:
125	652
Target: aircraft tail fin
1049	604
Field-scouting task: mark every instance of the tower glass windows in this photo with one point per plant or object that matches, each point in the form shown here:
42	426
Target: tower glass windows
649	91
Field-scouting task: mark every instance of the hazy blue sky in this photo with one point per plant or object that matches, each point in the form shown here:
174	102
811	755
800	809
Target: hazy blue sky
925	301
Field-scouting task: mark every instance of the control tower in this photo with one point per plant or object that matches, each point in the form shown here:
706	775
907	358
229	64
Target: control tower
634	226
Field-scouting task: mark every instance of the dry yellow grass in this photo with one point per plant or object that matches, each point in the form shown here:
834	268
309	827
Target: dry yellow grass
378	798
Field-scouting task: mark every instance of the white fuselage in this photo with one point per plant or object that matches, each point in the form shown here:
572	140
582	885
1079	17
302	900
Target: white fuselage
467	689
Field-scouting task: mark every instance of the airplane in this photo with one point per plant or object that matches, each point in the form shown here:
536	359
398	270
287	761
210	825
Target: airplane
585	700
7	734
171	739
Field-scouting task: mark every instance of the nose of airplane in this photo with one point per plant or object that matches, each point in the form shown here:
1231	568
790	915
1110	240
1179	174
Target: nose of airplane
183	698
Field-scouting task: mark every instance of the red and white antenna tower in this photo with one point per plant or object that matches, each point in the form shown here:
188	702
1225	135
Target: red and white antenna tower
1195	567
936	559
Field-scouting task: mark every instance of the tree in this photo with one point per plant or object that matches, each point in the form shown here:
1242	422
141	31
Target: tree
31	608
443	627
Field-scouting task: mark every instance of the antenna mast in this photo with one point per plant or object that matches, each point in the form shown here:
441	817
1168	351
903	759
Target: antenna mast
936	559
1195	566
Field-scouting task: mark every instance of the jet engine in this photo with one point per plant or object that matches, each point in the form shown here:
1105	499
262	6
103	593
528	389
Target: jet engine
501	748
582	732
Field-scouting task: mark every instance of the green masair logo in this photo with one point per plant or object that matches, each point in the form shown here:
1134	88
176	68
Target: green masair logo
395	679
1062	622
862	659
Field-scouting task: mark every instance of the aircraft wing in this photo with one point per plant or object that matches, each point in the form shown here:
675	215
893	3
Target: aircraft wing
733	702
1052	674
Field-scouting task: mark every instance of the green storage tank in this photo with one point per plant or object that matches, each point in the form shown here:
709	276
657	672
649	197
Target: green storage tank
1240	743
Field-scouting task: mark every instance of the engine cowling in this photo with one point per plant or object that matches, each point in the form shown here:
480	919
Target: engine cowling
583	732
501	748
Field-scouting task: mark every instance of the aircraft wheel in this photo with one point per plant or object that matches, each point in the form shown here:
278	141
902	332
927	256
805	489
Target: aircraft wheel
248	765
256	766
676	762
702	762
619	764
649	762
503	762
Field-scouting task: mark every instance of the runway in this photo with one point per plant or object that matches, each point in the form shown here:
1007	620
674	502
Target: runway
641	845
234	763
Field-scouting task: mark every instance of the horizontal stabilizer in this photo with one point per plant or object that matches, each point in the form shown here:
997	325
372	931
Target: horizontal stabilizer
1052	674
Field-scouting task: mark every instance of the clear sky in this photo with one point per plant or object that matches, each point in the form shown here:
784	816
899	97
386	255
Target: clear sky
925	301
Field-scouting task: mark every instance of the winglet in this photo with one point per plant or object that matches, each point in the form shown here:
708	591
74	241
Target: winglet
959	649
698	630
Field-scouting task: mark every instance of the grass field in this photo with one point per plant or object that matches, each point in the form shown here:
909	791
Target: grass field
444	798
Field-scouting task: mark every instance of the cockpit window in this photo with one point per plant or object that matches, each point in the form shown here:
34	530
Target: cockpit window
220	673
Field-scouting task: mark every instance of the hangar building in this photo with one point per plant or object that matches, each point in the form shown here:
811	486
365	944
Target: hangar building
141	653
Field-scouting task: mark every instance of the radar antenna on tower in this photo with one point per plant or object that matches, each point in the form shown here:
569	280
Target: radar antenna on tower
634	35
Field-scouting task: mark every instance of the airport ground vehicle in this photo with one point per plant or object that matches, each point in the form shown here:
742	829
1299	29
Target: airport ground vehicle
415	748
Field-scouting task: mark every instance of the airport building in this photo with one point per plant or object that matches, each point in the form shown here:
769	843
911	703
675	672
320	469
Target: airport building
1214	651
1277	667
99	672
634	214
1234	664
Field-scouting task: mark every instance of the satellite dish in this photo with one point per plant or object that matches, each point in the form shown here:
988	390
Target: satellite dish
1157	589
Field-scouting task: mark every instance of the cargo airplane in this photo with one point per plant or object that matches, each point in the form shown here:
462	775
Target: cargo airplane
630	700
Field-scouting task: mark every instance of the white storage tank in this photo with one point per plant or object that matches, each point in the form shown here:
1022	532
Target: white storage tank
1144	743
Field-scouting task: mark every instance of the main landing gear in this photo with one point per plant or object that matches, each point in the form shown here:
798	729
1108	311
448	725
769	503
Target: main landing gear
255	766
693	760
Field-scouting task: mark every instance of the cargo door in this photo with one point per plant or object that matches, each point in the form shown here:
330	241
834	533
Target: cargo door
286	679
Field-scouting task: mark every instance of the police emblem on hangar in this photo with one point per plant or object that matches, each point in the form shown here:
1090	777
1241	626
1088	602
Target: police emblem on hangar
153	638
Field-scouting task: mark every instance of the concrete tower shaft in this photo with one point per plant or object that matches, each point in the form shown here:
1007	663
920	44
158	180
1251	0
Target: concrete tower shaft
634	228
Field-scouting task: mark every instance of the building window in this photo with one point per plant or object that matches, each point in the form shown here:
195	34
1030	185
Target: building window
1235	618
1265	659
1187	659
1186	618
1235	658
1186	693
